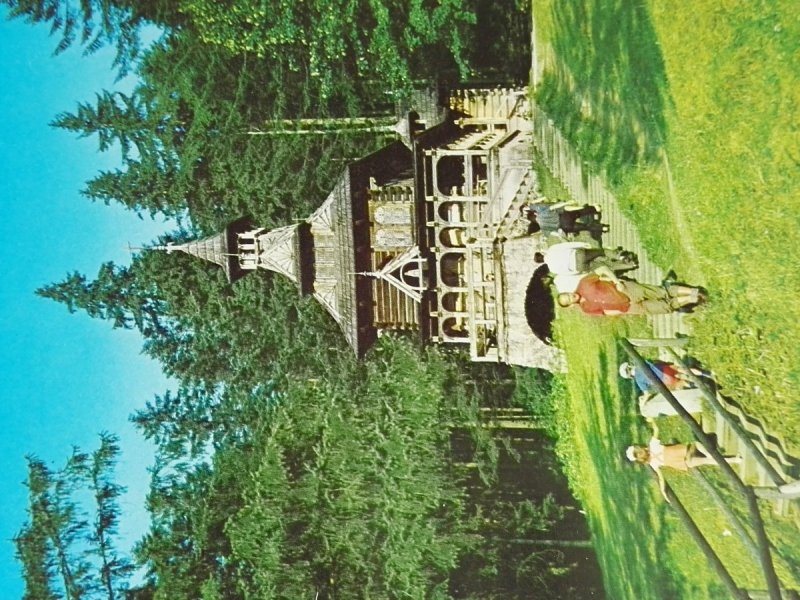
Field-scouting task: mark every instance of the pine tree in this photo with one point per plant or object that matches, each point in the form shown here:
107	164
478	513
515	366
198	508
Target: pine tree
115	569
115	117
91	24
116	295
34	551
65	554
144	186
180	422
56	517
94	24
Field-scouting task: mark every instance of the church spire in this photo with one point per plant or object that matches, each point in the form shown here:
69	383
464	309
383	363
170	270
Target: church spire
275	250
221	249
241	248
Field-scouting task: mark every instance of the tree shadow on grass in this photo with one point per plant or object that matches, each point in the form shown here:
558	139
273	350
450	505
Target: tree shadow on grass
631	534
607	88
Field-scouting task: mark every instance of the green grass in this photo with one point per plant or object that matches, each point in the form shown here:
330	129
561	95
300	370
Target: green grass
690	111
715	90
734	148
643	549
606	83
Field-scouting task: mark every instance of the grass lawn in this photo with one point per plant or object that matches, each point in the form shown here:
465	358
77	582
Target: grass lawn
690	111
643	549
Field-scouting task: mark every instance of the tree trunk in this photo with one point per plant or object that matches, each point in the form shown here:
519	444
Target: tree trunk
327	126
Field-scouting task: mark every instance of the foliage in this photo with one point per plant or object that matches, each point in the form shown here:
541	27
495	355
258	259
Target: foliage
326	39
742	208
354	498
632	530
691	206
607	92
537	392
114	568
115	295
94	24
724	153
277	475
215	432
64	554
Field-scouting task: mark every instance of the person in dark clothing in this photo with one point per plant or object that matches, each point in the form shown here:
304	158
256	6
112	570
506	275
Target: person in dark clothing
569	219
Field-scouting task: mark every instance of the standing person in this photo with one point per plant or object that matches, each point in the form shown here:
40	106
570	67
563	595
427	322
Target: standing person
542	217
603	293
680	457
564	218
671	375
652	403
569	262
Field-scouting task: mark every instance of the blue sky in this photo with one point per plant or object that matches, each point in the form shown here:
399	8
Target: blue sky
65	377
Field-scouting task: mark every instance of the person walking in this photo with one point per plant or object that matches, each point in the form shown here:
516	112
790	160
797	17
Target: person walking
674	377
569	262
602	292
679	457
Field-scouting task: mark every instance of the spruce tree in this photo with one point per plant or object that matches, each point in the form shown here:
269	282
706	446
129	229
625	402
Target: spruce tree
115	569
57	518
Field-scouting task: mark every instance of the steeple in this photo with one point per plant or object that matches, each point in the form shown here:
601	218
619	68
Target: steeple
220	249
275	250
241	248
414	236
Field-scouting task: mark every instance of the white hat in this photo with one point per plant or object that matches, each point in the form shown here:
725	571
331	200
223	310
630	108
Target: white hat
626	370
630	453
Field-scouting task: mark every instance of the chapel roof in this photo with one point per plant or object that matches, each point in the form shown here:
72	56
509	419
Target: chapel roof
340	233
218	248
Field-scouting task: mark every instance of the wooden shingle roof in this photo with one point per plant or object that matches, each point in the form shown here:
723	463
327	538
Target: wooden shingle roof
219	248
340	233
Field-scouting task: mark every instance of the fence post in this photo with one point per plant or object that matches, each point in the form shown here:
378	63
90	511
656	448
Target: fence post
767	566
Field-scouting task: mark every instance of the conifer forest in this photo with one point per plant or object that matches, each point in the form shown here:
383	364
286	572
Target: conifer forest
285	467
